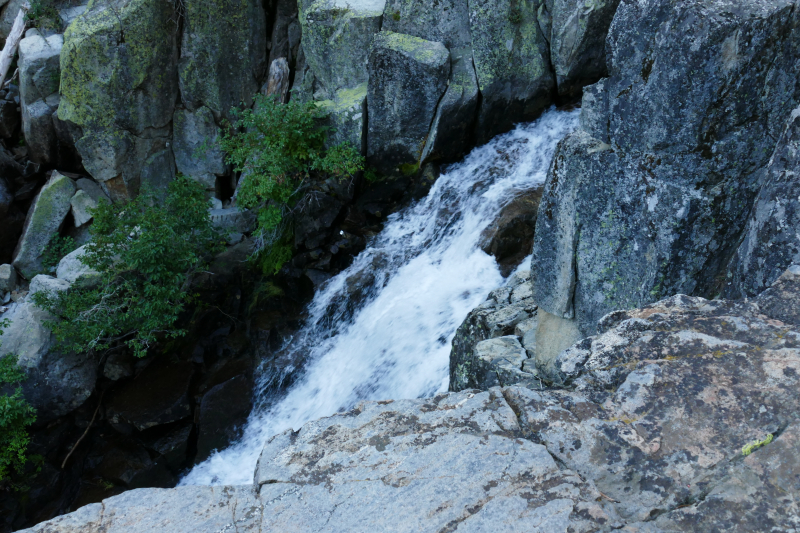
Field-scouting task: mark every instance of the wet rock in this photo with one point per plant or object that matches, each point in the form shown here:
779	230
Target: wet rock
577	43
158	396
223	411
130	465
56	383
636	209
510	238
172	446
119	85
770	244
407	78
512	64
44	219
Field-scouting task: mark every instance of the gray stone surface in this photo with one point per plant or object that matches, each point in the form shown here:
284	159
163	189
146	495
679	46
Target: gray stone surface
771	239
119	85
47	284
8	278
223	54
81	203
577	42
196	146
512	64
446	22
39	77
55	383
70	268
637	207
505	310
407	78
44	219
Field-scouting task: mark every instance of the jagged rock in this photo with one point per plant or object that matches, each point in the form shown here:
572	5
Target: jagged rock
160	395
8	15
92	189
345	115
130	465
771	241
635	208
286	33
233	219
407	78
448	23
577	42
8	278
44	219
337	37
498	361
512	64
80	204
118	365
278	80
56	383
39	75
119	86
69	14
6	197
71	269
223	54
173	446
223	411
504	310
196	146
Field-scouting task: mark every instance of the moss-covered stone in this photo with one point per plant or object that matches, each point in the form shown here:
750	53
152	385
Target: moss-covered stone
337	36
44	218
346	116
512	64
223	53
407	78
119	85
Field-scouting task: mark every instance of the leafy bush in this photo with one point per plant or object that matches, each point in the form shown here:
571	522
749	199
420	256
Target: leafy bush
43	15
15	416
277	147
146	253
56	249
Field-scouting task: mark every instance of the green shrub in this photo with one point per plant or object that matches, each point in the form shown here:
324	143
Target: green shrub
278	147
56	249
15	416
43	15
515	16
146	253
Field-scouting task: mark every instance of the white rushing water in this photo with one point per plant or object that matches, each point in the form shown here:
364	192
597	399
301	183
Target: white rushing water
423	274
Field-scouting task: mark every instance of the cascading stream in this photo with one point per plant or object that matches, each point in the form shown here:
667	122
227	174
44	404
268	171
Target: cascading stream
382	328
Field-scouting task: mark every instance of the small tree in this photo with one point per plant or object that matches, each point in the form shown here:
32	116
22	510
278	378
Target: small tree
277	147
145	253
15	417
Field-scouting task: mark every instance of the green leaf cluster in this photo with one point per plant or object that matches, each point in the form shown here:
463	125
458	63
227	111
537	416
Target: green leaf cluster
278	147
145	254
56	249
44	15
15	416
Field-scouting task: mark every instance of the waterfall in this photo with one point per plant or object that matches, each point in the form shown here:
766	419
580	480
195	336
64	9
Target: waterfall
382	328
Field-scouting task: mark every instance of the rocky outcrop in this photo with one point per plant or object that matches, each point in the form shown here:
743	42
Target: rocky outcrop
44	220
408	77
680	416
512	63
771	240
119	85
650	196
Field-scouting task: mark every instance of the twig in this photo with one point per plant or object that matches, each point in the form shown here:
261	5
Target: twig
84	433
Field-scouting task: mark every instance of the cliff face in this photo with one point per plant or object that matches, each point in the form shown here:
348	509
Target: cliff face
649	431
651	196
